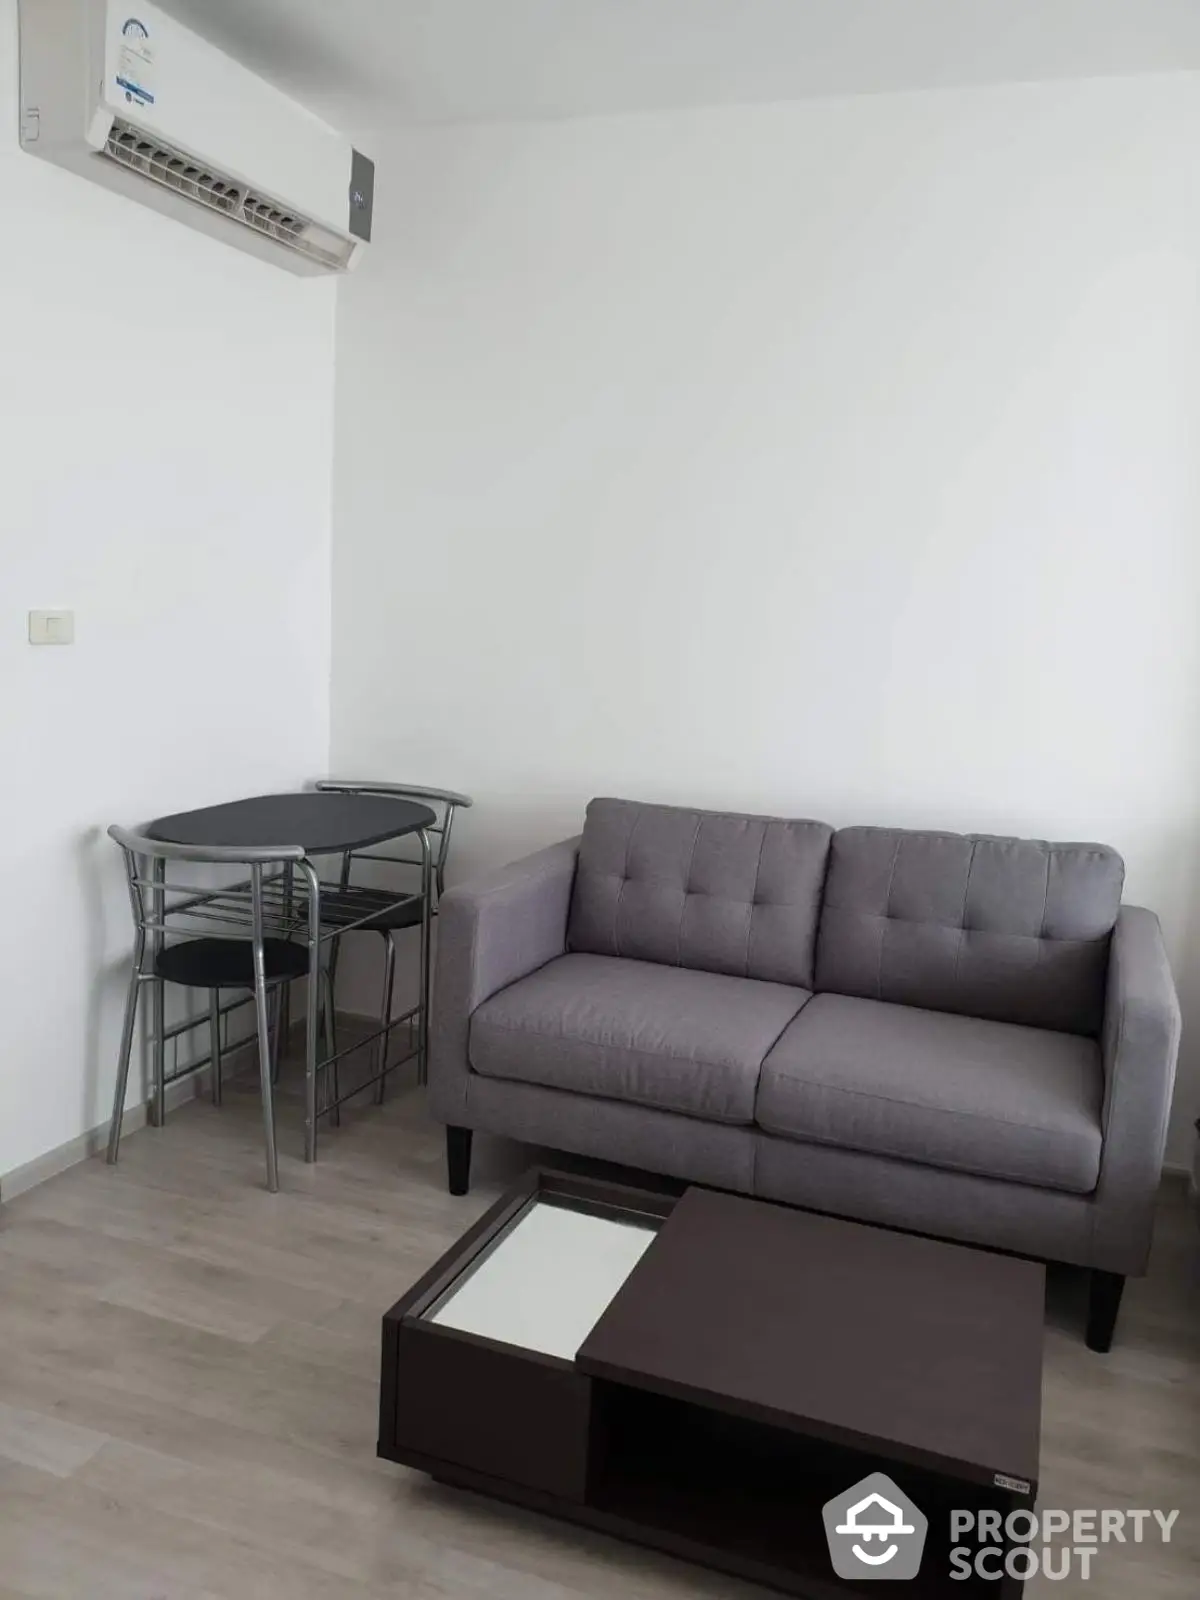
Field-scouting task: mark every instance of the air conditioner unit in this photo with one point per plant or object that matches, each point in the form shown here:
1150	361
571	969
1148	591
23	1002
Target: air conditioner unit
127	96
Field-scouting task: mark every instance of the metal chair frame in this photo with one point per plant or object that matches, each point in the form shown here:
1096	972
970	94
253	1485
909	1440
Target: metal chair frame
282	897
445	803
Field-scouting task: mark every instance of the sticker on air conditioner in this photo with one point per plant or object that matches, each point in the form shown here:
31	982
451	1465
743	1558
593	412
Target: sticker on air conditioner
135	68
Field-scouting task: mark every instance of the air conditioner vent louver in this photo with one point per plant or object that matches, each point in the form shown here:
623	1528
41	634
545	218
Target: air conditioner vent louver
175	170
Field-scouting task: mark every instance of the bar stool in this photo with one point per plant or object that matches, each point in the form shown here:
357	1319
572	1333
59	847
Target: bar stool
252	963
352	904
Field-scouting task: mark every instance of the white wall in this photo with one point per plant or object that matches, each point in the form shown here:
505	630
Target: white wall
165	458
836	459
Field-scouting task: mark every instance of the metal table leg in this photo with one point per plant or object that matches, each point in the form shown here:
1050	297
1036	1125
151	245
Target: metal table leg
264	1032
158	1100
385	1015
284	1015
426	924
214	1044
313	1008
333	1092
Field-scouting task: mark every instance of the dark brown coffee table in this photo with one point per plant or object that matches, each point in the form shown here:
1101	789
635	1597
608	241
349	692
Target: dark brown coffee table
704	1374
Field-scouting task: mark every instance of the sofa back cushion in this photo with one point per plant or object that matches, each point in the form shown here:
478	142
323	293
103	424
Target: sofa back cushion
710	890
1014	930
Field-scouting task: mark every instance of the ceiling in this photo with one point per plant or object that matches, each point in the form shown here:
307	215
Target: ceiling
375	64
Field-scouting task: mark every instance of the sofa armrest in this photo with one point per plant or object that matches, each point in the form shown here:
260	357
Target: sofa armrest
1140	1043
491	931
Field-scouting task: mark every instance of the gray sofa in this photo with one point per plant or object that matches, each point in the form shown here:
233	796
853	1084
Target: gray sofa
968	1037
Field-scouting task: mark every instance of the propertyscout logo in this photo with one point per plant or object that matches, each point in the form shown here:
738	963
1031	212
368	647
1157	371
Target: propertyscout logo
875	1531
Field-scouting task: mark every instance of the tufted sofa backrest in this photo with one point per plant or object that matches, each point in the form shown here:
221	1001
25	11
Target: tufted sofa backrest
1014	930
704	889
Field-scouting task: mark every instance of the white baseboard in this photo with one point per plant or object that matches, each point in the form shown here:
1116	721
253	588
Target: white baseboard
21	1179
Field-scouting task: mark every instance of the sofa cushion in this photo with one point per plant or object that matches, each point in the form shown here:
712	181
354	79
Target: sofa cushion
629	1030
704	889
1011	929
983	1097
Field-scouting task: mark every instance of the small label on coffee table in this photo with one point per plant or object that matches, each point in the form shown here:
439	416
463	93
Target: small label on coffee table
1017	1485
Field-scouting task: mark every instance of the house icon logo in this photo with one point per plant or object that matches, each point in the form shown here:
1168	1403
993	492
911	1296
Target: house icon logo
875	1531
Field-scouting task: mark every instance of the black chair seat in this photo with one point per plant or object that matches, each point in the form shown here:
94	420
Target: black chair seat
344	906
229	963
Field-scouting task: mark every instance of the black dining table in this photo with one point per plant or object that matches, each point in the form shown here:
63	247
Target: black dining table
321	824
315	825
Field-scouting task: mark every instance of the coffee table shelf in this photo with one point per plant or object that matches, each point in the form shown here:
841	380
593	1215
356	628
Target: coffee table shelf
673	1371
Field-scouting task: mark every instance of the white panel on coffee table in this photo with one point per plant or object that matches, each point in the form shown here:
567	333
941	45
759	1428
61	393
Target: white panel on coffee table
546	1283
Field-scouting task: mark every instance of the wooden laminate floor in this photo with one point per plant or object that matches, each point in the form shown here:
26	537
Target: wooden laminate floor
188	1386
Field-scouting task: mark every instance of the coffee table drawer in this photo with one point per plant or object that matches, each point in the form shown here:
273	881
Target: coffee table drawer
495	1411
478	1367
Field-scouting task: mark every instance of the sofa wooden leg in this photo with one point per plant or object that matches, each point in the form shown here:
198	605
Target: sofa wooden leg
1104	1301
458	1159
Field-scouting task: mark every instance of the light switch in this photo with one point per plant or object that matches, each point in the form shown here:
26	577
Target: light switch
52	627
